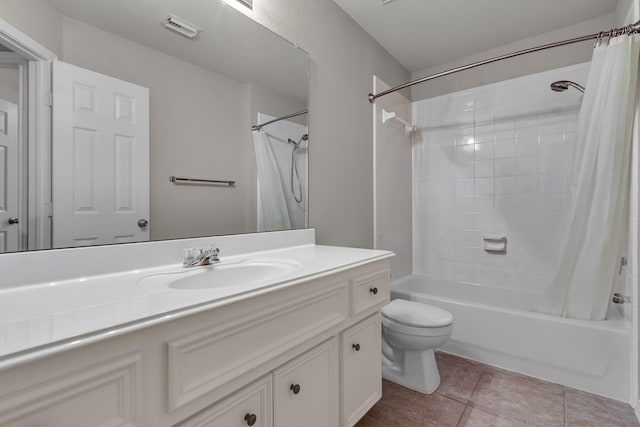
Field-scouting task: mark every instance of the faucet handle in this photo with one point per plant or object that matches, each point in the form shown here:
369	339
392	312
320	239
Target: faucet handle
214	251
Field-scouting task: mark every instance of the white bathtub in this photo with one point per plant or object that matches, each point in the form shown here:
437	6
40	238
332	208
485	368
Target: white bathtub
493	326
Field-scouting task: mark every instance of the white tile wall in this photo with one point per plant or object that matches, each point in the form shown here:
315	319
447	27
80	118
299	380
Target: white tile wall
494	160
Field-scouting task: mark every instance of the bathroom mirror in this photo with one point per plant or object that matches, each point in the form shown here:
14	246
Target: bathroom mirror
151	124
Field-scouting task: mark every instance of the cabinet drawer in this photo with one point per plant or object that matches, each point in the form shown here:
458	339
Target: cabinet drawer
369	290
361	379
250	406
206	360
306	389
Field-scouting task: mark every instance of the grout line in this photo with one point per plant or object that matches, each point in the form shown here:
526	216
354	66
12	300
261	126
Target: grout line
484	370
462	415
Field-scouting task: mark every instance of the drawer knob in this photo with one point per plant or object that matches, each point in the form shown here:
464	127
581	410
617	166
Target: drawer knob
356	347
295	388
250	419
374	291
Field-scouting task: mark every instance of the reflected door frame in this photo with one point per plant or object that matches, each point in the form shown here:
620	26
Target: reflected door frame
14	61
35	128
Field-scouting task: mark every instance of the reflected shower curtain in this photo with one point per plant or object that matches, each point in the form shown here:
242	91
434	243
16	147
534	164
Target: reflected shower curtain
599	184
273	205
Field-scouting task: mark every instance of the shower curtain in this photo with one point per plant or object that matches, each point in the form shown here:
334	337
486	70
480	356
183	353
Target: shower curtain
599	184
273	205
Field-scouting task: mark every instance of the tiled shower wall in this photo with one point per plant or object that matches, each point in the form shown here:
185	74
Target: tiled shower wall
494	160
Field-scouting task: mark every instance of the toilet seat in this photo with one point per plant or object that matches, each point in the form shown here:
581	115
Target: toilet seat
416	315
416	331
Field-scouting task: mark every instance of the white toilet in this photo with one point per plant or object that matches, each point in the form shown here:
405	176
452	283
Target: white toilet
410	332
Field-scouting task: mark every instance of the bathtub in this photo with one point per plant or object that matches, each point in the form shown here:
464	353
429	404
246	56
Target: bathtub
494	326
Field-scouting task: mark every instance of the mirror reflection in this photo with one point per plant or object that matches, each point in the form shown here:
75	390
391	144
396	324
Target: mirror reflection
152	130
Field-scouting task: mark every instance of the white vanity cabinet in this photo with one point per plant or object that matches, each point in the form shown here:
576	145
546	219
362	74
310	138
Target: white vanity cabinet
297	354
360	356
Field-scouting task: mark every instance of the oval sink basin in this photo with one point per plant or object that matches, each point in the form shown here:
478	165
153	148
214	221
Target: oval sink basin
231	274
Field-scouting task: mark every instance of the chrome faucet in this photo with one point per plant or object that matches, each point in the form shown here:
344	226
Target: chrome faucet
193	257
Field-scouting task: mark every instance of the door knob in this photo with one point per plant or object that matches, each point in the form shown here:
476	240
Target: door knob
143	223
250	419
13	221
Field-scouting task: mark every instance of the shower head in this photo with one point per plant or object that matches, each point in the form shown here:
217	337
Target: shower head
562	85
304	137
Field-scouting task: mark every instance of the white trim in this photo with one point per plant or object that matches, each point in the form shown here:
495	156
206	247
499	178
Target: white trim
36	76
40	131
375	169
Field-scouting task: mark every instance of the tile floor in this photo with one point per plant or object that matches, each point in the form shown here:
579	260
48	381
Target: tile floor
475	394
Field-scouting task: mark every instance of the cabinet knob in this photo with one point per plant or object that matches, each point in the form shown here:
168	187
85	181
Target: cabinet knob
374	291
295	388
250	419
13	221
356	347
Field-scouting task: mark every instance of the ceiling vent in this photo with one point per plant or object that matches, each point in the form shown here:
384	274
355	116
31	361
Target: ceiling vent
181	26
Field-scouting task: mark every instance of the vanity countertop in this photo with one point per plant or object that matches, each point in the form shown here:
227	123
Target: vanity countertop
44	318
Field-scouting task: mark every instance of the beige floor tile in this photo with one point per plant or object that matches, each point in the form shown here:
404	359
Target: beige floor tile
500	399
402	407
368	421
520	398
458	376
587	410
474	417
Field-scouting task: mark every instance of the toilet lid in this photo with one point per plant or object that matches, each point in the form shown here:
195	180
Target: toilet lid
416	314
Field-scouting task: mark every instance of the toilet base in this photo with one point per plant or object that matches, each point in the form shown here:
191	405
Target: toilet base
419	371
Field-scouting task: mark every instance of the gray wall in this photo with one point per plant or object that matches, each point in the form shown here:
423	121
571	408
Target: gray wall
393	201
37	18
10	84
344	60
516	67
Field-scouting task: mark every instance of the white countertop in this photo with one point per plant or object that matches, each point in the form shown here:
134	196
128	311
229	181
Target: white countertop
44	318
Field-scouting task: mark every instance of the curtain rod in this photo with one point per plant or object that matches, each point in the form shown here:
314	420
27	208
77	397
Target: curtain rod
288	116
629	29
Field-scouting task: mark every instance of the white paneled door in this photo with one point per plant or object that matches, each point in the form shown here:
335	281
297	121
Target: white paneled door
9	198
100	159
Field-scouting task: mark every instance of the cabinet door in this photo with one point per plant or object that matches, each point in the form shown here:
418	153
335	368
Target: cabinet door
306	389
361	378
250	406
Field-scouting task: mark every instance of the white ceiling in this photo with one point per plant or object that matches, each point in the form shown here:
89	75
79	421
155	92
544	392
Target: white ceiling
424	33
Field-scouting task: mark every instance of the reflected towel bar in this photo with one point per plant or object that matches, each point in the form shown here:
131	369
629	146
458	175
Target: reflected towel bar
179	180
288	116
